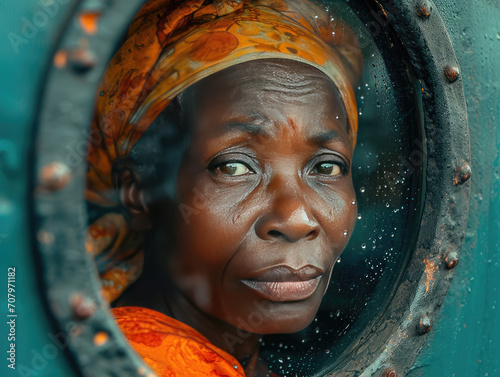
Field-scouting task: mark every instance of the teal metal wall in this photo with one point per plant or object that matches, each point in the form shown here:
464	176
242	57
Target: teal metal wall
465	341
24	52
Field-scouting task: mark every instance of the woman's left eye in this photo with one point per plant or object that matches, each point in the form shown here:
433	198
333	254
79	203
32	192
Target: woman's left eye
233	168
328	168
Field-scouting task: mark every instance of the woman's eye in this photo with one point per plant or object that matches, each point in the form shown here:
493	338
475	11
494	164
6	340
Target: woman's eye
233	168
328	168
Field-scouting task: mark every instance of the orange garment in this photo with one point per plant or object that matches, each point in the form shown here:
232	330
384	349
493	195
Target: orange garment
172	44
173	349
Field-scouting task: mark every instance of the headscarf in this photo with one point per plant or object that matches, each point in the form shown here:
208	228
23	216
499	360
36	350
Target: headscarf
170	46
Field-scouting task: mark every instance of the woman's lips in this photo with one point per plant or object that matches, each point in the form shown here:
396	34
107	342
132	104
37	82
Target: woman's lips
283	283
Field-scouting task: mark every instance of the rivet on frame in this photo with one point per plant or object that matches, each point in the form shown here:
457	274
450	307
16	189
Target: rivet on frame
83	307
82	59
101	338
89	21
452	73
462	174
60	59
44	237
54	176
424	325
389	372
451	260
423	10
144	372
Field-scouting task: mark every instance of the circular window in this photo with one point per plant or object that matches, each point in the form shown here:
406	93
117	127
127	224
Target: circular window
410	173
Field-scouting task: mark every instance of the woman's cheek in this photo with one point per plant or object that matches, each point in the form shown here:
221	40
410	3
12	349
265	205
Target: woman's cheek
214	228
340	213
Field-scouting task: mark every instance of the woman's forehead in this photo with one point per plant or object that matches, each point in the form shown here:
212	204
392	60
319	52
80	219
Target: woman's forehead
267	93
287	75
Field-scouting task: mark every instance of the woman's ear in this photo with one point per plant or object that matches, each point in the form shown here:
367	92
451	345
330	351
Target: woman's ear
132	198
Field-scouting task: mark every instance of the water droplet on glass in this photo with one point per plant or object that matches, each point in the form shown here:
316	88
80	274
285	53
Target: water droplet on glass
362	189
387	205
353	202
316	330
345	233
363	245
359	216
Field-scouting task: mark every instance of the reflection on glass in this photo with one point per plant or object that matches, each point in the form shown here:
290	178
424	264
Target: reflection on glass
387	174
220	185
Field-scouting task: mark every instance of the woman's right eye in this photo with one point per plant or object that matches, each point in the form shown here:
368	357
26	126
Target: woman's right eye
233	168
328	168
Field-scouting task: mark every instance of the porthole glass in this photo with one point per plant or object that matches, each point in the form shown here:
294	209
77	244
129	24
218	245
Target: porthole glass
388	175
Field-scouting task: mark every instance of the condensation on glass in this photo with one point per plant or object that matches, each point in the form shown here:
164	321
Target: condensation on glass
388	175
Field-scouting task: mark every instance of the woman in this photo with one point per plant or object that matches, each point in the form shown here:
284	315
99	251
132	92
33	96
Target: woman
227	134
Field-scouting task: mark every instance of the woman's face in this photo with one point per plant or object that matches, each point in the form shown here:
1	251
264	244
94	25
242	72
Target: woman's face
266	201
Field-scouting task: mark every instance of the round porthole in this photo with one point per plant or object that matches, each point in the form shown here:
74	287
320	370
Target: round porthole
410	171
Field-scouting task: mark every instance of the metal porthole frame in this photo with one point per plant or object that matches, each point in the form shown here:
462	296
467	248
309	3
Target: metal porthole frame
391	344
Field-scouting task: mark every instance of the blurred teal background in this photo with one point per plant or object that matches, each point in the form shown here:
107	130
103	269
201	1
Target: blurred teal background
465	341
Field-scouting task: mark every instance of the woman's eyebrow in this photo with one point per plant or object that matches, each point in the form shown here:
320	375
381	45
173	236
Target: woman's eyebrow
258	130
325	137
249	128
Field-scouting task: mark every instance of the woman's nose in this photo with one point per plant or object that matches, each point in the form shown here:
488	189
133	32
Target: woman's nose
289	219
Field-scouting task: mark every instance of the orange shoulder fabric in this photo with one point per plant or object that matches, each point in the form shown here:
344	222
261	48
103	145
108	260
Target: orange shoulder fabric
172	348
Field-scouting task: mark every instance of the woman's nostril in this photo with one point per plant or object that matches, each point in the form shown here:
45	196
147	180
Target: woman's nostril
292	236
312	234
275	233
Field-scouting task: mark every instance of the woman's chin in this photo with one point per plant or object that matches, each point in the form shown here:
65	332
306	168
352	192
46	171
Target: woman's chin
280	318
287	326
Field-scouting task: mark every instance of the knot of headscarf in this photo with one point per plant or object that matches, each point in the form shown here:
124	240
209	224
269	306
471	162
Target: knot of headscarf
173	44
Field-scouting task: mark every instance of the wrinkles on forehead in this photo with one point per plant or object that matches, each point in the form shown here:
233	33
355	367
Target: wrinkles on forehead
275	75
269	84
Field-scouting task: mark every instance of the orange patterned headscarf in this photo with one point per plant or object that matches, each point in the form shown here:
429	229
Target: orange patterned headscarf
173	44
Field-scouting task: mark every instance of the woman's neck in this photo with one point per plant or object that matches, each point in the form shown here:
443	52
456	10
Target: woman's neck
160	294
243	346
